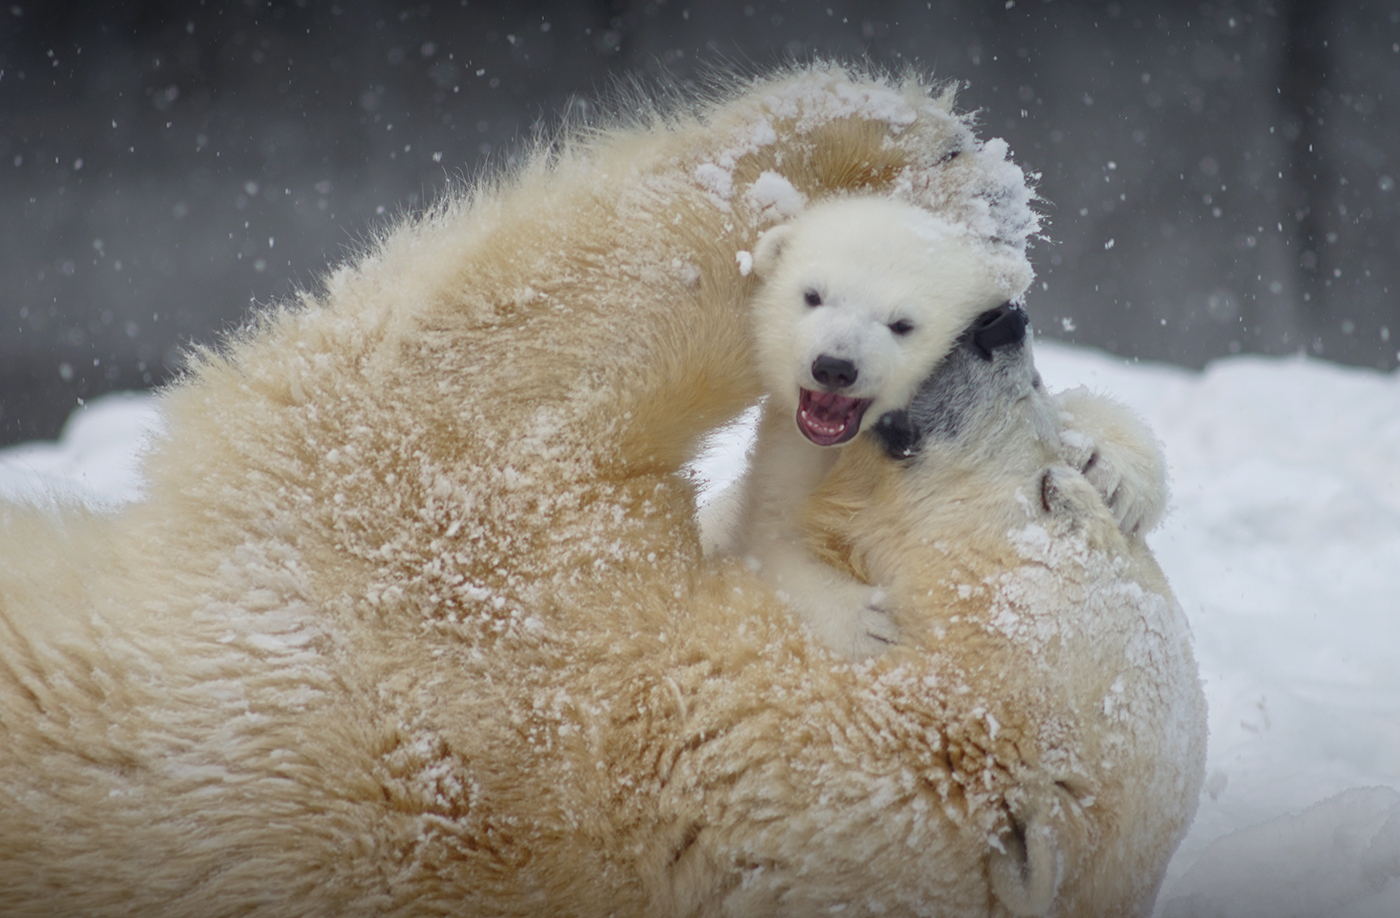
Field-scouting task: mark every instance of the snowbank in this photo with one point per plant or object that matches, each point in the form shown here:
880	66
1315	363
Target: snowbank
96	458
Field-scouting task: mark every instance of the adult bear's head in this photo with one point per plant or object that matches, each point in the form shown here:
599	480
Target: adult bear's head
973	390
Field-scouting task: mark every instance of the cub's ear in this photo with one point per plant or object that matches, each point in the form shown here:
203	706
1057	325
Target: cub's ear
898	434
769	247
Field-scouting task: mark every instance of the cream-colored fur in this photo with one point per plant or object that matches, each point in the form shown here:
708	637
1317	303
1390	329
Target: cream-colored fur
1055	634
835	283
413	620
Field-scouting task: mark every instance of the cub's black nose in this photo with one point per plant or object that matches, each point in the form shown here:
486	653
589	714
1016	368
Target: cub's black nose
833	372
996	327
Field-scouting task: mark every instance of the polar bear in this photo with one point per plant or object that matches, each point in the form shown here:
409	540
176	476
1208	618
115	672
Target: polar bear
413	619
859	299
989	543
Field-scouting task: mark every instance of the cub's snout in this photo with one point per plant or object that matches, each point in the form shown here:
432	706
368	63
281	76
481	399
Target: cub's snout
834	372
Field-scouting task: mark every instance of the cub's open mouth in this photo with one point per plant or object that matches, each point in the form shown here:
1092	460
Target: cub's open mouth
827	419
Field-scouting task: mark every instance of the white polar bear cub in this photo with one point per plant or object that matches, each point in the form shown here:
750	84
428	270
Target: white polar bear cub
860	299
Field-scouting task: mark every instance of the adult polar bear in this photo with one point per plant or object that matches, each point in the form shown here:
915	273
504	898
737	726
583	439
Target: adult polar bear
413	621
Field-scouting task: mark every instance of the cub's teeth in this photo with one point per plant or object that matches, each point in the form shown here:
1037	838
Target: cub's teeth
821	427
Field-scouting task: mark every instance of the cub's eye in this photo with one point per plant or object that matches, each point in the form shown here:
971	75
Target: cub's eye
812	298
902	327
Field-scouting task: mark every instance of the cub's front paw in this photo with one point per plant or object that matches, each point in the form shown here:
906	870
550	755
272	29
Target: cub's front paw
850	617
875	631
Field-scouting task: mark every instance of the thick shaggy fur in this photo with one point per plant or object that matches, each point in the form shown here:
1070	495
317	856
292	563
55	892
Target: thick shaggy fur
413	620
1058	632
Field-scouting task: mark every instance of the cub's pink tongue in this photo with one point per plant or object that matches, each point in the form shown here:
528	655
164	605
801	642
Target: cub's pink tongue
827	419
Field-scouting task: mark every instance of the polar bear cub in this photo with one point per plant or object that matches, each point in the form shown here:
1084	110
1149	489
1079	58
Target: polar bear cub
860	299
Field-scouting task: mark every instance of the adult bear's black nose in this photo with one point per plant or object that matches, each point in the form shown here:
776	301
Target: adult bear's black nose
996	327
833	372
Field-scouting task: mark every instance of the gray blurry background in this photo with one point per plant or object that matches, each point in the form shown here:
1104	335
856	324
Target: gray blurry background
1218	177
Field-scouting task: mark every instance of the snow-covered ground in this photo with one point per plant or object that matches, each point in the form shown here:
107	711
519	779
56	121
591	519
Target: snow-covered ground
1283	546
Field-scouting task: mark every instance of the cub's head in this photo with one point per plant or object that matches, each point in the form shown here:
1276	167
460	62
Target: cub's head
860	299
